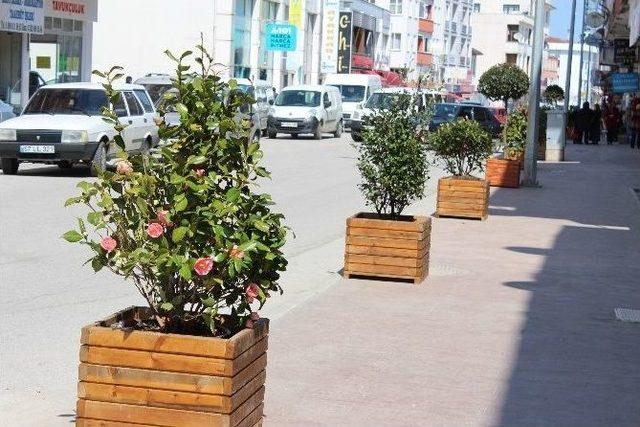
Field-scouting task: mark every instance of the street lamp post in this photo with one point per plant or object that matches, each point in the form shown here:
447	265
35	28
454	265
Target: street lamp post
531	151
567	85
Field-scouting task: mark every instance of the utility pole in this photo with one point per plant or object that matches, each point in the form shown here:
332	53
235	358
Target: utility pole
567	84
584	16
531	150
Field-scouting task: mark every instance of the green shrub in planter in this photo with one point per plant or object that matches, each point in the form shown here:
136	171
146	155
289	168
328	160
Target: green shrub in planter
189	229
515	134
392	158
462	146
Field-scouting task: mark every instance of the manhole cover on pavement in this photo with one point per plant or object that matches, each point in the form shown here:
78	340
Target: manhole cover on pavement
627	315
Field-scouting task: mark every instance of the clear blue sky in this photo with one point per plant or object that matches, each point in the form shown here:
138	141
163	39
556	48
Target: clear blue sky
561	18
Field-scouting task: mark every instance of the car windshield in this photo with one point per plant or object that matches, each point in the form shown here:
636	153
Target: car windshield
67	101
298	98
351	93
383	101
156	90
444	111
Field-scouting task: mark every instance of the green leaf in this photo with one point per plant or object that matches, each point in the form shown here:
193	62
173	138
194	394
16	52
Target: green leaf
181	203
185	271
178	234
72	201
233	195
262	226
97	263
94	218
182	109
72	236
166	306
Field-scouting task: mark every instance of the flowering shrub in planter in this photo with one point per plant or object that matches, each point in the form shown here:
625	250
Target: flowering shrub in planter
188	227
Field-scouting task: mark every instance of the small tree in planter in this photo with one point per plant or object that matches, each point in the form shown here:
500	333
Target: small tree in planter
505	172
503	82
392	160
204	250
553	94
462	146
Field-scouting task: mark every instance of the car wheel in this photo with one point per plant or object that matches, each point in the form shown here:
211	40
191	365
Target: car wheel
339	130
317	134
10	166
99	162
272	135
65	164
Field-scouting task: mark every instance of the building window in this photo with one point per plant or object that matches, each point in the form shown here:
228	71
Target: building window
510	9
395	7
242	37
476	7
425	10
512	58
396	41
512	30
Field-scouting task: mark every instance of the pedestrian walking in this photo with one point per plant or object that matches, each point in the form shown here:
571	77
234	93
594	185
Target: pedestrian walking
596	125
583	121
612	122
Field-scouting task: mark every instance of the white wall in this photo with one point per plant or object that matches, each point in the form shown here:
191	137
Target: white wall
561	50
135	33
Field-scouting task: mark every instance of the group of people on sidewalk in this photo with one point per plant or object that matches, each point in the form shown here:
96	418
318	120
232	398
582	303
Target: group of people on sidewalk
586	124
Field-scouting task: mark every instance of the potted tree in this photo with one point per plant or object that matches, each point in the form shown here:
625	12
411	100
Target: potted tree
505	171
189	231
462	146
553	94
503	82
392	160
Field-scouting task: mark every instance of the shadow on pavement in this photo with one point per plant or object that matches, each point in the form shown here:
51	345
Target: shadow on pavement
54	172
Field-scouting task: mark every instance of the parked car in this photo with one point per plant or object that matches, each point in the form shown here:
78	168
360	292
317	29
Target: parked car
500	114
447	112
383	98
307	109
6	111
156	85
355	89
62	124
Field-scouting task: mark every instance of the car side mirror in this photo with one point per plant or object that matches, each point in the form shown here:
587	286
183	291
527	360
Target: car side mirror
271	102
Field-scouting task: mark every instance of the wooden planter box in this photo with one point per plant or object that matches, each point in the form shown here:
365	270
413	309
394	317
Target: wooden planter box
503	173
519	158
138	378
463	198
396	249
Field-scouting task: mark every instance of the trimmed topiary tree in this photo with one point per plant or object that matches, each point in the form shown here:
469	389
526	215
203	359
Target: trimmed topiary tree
392	158
503	82
553	94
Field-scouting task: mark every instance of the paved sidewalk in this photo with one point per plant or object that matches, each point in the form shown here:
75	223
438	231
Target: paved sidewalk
514	327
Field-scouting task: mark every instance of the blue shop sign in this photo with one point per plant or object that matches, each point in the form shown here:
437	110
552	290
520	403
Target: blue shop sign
624	82
281	37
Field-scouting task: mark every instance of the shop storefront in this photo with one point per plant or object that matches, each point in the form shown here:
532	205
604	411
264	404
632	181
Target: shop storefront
43	41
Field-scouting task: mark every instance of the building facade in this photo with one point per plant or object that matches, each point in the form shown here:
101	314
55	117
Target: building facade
559	48
44	41
503	33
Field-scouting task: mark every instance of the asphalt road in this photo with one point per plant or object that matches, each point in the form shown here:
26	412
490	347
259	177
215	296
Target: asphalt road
47	295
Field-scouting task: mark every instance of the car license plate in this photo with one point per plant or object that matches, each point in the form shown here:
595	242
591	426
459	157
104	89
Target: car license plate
289	125
38	149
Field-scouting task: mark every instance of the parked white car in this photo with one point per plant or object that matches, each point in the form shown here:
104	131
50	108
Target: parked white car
382	98
307	109
355	89
62	124
6	112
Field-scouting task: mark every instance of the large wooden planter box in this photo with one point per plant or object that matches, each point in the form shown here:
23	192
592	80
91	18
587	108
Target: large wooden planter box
383	248
138	378
463	198
503	173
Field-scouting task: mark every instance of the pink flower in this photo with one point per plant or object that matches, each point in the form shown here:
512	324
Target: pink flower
252	292
236	253
200	173
124	167
249	324
155	230
108	244
255	316
203	266
163	217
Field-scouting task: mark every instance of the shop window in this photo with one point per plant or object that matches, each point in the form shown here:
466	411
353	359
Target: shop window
57	23
48	22
67	25
77	25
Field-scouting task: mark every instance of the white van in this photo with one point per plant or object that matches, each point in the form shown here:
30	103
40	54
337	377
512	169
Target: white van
314	109
355	89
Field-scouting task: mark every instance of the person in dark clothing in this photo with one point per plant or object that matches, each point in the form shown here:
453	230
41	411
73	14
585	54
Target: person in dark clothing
612	121
583	121
596	125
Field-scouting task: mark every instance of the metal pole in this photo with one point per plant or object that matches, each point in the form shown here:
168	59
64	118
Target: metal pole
567	84
531	150
587	97
584	14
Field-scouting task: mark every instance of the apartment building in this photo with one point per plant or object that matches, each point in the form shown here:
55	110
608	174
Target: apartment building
503	32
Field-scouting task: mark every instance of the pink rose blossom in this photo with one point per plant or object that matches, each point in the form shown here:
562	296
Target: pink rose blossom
249	324
236	253
108	244
124	167
252	292
200	173
163	217
155	230
255	316
203	266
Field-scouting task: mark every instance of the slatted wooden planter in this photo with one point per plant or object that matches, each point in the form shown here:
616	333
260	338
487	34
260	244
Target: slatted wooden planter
383	248
139	378
463	198
503	173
